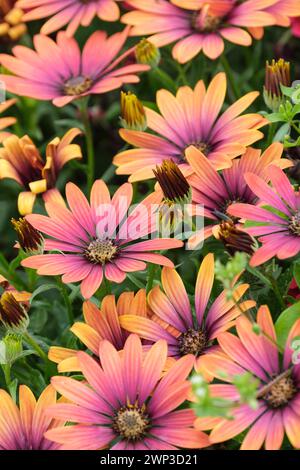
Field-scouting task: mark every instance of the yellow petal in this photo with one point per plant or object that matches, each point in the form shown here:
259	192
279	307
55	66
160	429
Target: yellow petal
26	201
38	187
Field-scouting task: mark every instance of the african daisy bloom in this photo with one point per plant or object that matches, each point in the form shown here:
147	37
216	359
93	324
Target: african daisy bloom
217	191
190	118
72	13
6	121
23	427
98	240
279	385
127	404
60	72
278	232
99	324
197	25
21	160
283	11
172	319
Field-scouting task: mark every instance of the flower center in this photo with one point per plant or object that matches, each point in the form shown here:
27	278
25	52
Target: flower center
77	85
131	422
294	225
205	22
192	342
281	392
100	251
204	147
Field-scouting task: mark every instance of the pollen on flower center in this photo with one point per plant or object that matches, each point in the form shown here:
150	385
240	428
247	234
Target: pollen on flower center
192	342
202	146
77	85
205	23
100	251
131	422
294	225
281	392
223	207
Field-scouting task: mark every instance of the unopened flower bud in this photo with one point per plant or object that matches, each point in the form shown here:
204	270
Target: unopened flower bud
13	314
147	53
30	240
177	194
277	74
133	115
233	239
11	348
173	183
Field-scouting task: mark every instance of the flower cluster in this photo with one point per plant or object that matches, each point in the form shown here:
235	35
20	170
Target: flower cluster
149	166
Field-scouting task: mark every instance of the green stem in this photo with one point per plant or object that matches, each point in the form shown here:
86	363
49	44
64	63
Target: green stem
271	133
151	275
229	73
89	144
109	173
295	127
107	286
7	376
67	301
164	78
269	281
29	339
277	293
32	279
182	74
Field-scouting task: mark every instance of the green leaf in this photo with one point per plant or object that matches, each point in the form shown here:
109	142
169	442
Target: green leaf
285	322
41	289
287	91
296	273
281	133
135	281
275	117
38	319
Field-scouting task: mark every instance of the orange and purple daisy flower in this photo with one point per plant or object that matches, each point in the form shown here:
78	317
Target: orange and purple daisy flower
200	25
100	324
127	404
69	12
216	192
6	121
278	223
190	118
21	161
98	240
58	71
285	12
23	427
172	318
278	395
